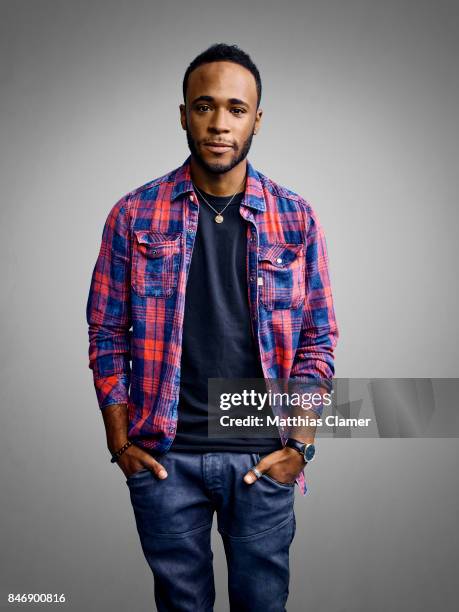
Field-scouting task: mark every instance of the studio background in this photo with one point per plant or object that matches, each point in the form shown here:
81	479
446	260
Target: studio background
360	107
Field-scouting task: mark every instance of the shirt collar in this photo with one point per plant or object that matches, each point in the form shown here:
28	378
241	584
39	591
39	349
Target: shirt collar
254	196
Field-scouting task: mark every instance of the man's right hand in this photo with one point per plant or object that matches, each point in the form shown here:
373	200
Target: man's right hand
135	459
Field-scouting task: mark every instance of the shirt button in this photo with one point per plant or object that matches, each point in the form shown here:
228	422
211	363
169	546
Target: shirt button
192	198
279	260
252	279
190	230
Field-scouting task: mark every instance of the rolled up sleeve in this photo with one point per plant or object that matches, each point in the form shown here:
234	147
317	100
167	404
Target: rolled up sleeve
108	311
314	357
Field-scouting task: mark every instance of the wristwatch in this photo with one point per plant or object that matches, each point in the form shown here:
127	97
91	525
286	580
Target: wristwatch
307	450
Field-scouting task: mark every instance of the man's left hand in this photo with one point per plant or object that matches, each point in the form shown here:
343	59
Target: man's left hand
283	465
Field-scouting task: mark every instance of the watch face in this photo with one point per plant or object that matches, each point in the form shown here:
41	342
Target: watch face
309	452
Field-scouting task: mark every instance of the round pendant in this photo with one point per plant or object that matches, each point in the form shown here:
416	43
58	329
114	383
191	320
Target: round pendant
219	219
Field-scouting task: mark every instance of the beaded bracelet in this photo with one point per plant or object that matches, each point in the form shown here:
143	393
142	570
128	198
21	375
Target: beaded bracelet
120	451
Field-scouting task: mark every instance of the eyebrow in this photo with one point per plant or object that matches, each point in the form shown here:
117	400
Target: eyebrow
211	99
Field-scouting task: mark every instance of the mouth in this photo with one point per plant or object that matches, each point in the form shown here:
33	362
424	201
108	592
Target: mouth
218	147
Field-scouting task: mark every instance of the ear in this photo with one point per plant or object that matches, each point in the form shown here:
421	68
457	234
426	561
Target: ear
183	116
256	125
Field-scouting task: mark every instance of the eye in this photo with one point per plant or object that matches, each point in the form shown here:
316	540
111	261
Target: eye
238	111
202	107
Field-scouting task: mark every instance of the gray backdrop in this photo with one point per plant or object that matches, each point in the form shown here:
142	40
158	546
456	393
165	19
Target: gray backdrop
360	117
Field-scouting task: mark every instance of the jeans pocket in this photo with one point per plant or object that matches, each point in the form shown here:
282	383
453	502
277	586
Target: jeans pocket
284	485
138	475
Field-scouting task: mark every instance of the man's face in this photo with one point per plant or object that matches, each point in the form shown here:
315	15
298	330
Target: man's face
221	115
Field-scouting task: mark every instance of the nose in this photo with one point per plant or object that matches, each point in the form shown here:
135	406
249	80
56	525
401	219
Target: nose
217	124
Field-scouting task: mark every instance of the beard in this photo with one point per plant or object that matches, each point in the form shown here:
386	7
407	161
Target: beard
240	153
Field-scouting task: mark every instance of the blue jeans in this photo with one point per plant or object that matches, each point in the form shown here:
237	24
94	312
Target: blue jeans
174	520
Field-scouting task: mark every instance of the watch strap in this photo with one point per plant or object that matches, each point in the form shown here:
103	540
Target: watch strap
299	446
307	449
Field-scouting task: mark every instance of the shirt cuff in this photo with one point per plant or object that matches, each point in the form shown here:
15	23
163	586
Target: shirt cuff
112	390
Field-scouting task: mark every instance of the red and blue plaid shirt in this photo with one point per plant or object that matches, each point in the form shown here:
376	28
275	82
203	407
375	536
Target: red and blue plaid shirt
136	302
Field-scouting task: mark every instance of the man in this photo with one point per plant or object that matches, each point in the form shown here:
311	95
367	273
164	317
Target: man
222	273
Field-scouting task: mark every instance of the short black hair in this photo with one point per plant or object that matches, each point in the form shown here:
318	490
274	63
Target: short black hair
221	52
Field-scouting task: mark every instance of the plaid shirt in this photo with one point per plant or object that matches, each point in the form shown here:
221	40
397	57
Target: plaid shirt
139	282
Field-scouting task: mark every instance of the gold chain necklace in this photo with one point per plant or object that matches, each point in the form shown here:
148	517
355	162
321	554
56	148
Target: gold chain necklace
219	217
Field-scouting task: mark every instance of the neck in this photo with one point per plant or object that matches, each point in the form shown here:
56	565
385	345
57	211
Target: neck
225	184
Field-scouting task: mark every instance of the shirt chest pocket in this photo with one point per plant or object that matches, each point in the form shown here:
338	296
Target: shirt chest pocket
281	274
155	263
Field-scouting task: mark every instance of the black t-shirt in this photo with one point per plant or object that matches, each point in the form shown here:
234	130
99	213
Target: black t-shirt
217	336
